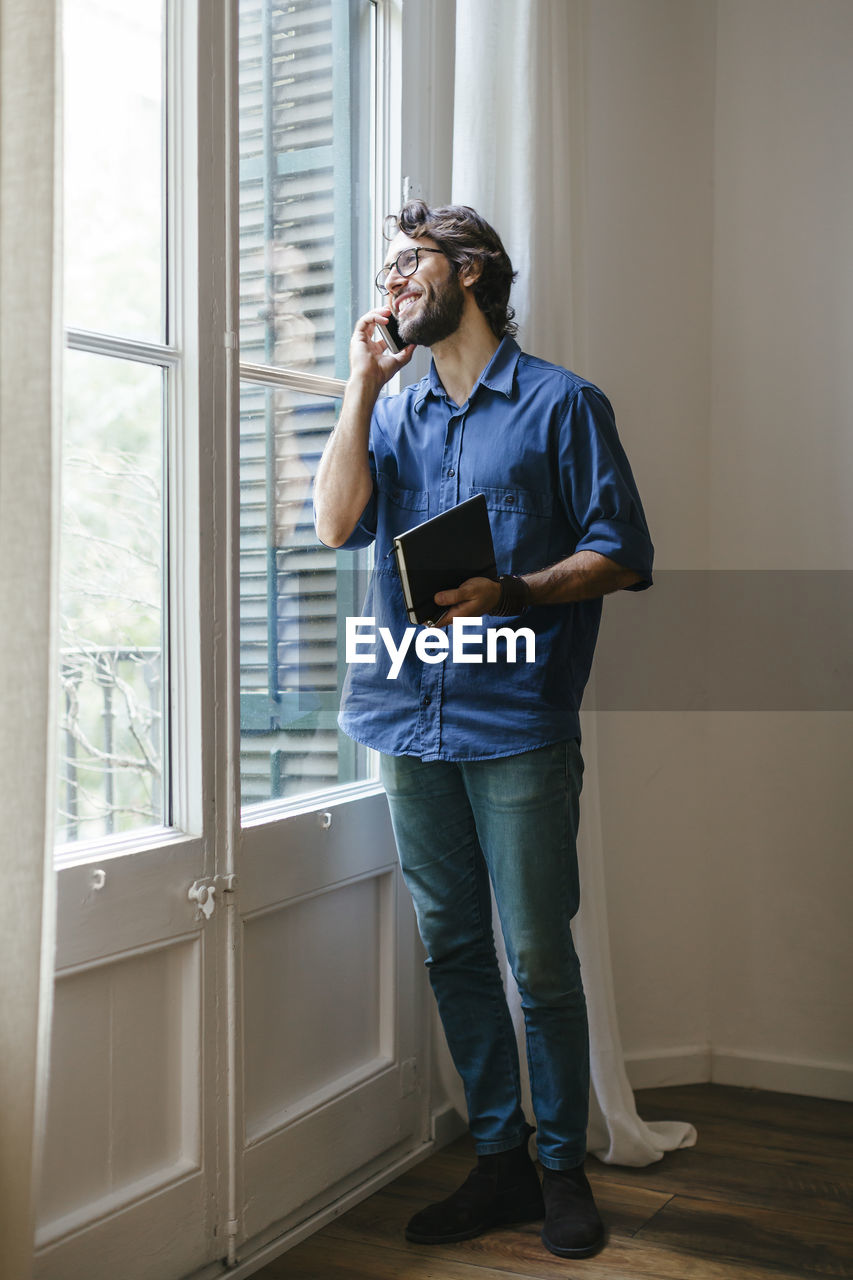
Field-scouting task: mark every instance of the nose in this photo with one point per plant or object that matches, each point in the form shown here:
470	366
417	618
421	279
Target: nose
394	280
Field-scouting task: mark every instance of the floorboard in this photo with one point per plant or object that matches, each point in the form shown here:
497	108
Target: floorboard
767	1194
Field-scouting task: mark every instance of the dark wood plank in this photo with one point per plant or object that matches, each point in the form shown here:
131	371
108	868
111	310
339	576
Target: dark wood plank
731	1175
766	1195
325	1258
788	1112
384	1215
751	1160
504	1255
720	1133
807	1246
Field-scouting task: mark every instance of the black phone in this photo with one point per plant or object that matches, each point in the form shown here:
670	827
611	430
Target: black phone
391	335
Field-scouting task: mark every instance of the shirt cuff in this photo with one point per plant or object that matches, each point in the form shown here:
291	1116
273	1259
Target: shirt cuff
364	532
625	544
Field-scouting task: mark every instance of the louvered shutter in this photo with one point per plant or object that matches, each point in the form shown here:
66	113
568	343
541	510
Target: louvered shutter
296	215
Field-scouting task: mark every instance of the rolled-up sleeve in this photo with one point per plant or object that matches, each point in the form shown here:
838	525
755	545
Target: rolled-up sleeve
597	487
365	529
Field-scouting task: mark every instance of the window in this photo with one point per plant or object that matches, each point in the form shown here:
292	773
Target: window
305	117
306	123
117	380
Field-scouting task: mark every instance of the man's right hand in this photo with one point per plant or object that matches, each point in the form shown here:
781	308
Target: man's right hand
344	482
369	358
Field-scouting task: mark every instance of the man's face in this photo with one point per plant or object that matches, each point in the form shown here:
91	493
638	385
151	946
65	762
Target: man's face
428	305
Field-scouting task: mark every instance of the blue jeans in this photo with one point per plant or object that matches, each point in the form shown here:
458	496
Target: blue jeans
514	820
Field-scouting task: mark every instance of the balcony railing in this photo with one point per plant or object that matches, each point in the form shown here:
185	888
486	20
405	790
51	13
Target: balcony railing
111	741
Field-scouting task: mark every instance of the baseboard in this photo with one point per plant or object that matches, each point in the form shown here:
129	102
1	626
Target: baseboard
687	1064
702	1064
256	1257
446	1126
833	1080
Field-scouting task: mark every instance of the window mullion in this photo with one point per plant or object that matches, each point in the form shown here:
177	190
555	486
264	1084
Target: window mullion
311	383
107	344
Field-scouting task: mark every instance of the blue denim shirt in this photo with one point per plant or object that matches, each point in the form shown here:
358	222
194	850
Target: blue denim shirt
541	444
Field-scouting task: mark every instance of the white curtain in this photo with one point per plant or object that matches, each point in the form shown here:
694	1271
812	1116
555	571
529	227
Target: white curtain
518	158
30	349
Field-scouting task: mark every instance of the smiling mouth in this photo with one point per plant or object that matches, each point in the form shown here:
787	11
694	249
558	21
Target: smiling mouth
403	304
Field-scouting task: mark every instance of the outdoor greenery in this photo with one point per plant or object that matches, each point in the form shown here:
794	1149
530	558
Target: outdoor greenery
110	602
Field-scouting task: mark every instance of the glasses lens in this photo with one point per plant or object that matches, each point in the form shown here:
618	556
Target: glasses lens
407	262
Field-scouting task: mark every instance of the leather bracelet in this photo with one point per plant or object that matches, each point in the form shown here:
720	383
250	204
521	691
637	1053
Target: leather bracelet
514	598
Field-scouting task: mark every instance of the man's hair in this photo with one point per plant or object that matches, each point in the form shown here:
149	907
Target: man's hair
466	239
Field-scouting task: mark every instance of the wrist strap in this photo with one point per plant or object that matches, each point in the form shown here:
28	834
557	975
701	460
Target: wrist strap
514	598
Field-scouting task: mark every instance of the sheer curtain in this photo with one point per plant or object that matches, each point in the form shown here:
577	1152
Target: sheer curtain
518	157
30	349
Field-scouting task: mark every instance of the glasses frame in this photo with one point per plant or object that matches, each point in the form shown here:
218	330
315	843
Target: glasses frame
384	272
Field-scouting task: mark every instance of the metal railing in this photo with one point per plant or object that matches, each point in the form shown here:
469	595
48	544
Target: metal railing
111	740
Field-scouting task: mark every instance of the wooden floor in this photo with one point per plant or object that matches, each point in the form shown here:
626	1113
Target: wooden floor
767	1192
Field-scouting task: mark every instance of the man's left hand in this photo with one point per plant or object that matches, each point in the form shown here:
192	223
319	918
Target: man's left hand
475	598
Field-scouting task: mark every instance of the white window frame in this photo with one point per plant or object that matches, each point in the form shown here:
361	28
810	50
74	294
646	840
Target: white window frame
185	348
411	154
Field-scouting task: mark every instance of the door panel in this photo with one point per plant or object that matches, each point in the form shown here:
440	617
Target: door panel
129	1167
301	1169
130	1118
316	964
332	995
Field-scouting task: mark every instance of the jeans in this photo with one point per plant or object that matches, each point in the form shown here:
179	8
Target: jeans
513	820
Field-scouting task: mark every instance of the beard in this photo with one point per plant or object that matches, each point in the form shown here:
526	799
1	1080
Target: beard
439	314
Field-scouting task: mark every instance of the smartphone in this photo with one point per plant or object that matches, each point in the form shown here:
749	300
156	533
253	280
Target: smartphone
391	335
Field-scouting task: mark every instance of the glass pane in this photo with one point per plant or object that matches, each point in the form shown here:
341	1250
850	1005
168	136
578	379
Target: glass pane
111	739
113	167
294	595
304	118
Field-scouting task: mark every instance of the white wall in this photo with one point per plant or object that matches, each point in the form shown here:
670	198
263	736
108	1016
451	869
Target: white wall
649	230
781	463
720	321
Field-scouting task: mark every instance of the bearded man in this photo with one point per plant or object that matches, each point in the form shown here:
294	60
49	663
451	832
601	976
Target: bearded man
482	763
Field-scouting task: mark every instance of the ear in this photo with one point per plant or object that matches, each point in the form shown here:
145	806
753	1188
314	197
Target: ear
470	274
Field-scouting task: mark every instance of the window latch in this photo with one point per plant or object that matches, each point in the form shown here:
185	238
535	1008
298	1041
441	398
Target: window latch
203	893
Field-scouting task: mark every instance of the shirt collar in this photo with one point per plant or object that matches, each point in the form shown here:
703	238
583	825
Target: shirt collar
498	375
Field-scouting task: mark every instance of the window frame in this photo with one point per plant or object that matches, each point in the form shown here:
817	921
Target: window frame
168	356
202	372
327	387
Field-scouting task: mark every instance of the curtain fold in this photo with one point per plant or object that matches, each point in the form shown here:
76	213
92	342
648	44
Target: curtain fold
518	157
30	352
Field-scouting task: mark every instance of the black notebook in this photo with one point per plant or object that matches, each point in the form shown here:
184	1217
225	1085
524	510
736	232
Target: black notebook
442	553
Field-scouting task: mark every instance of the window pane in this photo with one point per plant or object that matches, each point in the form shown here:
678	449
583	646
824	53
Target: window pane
113	167
304	121
294	595
304	118
111	739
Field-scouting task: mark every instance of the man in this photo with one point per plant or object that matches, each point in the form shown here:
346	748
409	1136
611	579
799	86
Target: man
481	762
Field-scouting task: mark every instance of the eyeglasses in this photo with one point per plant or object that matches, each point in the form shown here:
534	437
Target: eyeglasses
406	264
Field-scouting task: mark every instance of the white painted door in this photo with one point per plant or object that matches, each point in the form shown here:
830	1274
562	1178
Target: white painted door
238	1029
331	980
131	1182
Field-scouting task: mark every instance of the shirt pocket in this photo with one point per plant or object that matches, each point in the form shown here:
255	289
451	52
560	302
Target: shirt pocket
400	509
521	526
511	501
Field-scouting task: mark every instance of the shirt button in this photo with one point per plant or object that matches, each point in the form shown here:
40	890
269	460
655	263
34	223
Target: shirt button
451	472
427	700
510	497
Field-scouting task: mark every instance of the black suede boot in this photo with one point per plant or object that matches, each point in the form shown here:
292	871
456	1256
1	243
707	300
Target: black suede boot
573	1228
502	1189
